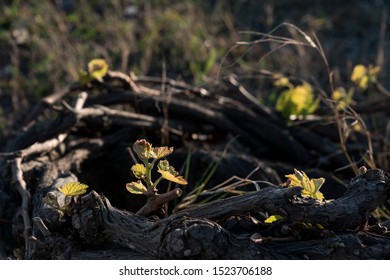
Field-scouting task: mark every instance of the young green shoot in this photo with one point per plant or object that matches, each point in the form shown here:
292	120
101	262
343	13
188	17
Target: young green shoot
310	189
72	192
143	171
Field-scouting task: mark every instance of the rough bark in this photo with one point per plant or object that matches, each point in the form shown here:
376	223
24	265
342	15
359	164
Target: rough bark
199	233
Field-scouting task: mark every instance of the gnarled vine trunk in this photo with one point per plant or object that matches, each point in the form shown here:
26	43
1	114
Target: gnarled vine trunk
89	143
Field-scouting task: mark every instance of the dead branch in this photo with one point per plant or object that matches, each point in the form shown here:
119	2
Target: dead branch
46	103
20	184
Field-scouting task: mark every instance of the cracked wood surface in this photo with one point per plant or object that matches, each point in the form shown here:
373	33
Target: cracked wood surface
198	233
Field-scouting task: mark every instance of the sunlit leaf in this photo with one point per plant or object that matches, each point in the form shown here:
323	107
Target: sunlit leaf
357	127
139	170
73	189
308	193
143	149
373	71
160	152
300	175
95	69
281	81
297	101
343	97
136	188
272	219
358	72
363	82
363	76
311	187
173	178
339	94
319	226
294	182
169	173
300	96
164	166
317	183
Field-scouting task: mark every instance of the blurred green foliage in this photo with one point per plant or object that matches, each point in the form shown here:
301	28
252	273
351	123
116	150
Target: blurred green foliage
297	102
47	44
44	44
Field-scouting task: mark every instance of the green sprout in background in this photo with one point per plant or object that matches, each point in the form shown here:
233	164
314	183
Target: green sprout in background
296	101
363	76
96	69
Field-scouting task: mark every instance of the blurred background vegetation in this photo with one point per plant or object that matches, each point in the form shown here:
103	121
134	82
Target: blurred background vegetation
43	44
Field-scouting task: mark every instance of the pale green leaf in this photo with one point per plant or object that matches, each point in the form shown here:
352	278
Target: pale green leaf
139	170
172	177
164	166
97	69
363	76
310	187
281	81
319	226
316	195
272	219
299	174
143	149
358	72
136	188
294	182
297	101
160	152
169	173
73	189
318	183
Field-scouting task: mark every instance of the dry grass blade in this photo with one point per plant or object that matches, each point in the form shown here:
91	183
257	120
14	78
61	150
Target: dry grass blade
228	187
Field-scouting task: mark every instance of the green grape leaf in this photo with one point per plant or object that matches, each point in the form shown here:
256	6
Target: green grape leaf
358	72
297	101
136	188
139	170
143	149
73	189
163	165
169	173
95	69
281	81
317	183
173	178
160	152
311	187
363	76
343	97
272	219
